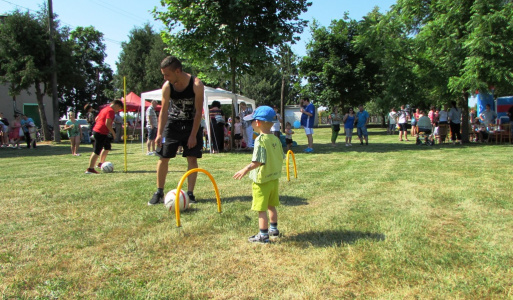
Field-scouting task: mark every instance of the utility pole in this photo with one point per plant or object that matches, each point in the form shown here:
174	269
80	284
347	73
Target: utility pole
55	100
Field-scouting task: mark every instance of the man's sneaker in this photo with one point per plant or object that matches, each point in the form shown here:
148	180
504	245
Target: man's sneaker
309	150
91	171
157	198
192	198
150	153
99	165
366	143
259	238
274	232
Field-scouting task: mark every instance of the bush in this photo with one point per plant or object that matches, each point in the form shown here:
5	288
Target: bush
64	135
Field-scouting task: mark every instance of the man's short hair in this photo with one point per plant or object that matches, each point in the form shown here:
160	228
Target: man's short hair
171	62
154	101
117	102
306	99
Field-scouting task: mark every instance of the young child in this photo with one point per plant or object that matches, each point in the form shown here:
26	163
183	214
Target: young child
265	171
238	133
288	135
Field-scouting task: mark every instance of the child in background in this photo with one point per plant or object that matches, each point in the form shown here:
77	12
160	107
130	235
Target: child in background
288	135
227	143
265	171
238	133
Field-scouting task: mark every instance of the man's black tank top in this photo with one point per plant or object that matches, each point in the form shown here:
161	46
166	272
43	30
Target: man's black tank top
181	104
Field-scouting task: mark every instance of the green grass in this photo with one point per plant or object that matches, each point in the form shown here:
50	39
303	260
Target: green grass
390	220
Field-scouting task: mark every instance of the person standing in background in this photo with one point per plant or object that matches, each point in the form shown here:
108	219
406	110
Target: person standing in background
247	130
335	125
151	126
118	127
307	121
276	123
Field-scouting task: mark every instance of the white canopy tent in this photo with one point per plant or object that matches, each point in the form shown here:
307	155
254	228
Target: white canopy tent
211	94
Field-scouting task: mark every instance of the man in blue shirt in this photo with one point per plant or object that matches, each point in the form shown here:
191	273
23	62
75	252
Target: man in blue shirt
27	124
307	121
362	119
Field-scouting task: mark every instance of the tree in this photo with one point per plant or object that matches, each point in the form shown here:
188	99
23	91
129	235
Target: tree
209	33
26	57
217	34
337	73
139	61
85	76
469	42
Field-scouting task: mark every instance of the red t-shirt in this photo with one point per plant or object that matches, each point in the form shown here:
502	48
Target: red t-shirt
106	113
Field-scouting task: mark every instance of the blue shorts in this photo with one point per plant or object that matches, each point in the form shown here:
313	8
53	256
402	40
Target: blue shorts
152	133
362	131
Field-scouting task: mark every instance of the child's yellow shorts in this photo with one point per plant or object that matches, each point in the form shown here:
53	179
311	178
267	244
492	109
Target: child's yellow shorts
265	195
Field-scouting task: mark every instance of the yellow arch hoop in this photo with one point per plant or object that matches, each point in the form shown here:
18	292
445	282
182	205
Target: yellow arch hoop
294	161
177	198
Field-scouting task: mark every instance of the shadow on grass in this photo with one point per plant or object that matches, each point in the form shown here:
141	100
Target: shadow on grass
284	200
332	237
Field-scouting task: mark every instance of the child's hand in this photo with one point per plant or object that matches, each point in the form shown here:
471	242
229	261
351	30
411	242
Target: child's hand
240	174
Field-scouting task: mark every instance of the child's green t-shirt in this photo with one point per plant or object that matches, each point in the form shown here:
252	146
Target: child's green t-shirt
268	151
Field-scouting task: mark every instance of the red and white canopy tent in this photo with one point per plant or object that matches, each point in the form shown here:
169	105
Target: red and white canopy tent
211	94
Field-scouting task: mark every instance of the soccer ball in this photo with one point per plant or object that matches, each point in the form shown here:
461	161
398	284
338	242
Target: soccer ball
169	201
107	167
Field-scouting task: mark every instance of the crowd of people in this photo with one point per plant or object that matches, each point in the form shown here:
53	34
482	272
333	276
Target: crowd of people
443	120
20	128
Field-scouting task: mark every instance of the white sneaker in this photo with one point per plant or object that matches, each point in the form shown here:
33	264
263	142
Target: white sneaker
150	153
347	145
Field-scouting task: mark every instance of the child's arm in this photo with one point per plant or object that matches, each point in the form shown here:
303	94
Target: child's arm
245	170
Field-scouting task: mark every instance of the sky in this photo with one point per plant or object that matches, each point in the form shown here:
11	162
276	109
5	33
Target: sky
116	18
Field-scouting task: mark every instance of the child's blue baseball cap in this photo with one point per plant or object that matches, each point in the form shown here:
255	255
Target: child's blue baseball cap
262	113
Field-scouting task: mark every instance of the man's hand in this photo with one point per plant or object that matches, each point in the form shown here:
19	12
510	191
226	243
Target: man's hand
191	143
158	140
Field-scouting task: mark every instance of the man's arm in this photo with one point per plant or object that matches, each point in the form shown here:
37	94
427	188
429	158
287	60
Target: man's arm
166	95
199	91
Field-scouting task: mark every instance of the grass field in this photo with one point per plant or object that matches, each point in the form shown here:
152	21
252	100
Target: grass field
390	221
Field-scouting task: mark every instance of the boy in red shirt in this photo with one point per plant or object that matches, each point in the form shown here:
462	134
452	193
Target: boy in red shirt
101	131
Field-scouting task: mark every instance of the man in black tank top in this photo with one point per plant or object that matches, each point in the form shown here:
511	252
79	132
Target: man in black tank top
182	99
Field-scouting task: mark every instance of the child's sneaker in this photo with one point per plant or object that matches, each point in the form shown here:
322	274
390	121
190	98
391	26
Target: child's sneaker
91	171
156	199
259	238
192	198
274	232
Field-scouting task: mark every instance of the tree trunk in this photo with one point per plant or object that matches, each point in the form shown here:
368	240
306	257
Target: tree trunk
383	123
42	113
464	119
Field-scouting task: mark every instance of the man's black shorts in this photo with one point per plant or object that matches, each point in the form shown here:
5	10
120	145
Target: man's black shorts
176	133
102	141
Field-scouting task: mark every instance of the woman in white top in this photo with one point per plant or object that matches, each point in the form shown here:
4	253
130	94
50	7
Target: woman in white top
442	115
276	122
454	118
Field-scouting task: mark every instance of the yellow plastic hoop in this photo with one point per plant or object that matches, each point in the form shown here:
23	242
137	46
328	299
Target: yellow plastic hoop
294	161
182	180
